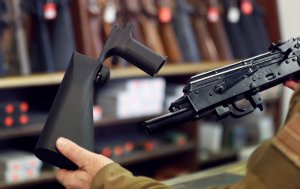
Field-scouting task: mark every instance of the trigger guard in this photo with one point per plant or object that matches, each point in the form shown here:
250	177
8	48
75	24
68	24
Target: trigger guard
238	112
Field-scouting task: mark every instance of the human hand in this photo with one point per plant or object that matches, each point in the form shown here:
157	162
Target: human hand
89	164
291	84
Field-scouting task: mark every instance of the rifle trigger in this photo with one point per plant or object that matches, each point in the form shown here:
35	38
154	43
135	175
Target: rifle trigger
238	112
254	102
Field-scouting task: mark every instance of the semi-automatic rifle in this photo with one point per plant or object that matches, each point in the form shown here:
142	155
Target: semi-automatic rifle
253	27
20	37
149	26
94	14
41	55
184	30
217	29
110	15
133	10
14	39
236	36
81	28
63	40
207	47
166	30
2	25
220	91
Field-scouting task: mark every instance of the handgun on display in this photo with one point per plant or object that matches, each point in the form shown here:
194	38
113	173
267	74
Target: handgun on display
219	91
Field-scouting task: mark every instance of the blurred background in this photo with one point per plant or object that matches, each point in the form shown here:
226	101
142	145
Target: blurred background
38	37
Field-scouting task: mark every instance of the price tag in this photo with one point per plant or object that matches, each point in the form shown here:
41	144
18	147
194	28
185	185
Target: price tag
233	14
165	14
50	10
247	7
213	14
110	13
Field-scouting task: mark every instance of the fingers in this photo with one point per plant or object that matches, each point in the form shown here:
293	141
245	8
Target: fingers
63	176
88	162
291	84
80	156
72	179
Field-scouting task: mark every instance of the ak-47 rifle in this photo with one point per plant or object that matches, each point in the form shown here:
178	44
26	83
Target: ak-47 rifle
81	22
16	22
149	26
217	29
110	14
184	31
20	37
94	13
166	30
133	10
63	40
86	16
40	45
236	36
254	26
219	91
207	47
2	25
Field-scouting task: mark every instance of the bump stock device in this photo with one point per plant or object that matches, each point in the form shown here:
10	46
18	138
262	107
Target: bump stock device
71	113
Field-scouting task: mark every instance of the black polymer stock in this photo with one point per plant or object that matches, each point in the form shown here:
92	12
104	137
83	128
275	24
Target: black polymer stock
71	114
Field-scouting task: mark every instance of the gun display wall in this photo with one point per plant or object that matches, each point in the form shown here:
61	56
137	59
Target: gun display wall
40	36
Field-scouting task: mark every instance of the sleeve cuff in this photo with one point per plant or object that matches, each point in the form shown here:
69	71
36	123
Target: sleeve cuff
287	141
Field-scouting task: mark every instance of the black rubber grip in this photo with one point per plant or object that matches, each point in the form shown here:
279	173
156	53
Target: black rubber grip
143	57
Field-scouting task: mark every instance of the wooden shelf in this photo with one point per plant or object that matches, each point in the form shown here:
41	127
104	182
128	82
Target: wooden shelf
213	159
161	151
45	177
49	176
31	80
116	73
36	128
20	131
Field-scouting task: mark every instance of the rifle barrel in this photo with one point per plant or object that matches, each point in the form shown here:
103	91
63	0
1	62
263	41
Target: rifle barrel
168	120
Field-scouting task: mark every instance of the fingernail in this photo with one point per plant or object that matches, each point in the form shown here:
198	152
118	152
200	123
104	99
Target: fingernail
61	142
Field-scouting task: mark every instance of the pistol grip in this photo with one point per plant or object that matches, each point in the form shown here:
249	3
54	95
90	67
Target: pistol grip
143	57
121	43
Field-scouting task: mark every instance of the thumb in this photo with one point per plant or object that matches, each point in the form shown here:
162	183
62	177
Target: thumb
73	152
291	84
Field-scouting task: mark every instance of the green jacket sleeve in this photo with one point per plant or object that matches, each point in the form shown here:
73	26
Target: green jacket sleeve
113	176
268	167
